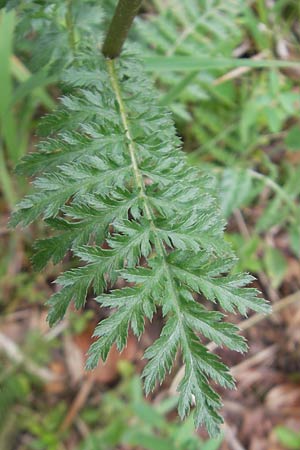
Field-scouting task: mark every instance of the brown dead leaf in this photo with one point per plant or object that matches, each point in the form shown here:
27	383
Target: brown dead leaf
15	330
74	359
293	270
57	386
255	419
293	157
260	444
108	371
283	398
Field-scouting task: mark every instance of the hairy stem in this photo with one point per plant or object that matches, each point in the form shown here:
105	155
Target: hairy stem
125	12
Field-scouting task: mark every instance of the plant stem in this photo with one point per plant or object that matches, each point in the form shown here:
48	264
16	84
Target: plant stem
70	26
125	12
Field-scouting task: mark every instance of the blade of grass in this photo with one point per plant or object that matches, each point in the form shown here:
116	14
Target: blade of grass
8	126
22	74
176	90
32	85
187	63
173	93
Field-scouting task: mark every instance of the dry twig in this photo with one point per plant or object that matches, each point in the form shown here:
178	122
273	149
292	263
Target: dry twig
78	402
14	353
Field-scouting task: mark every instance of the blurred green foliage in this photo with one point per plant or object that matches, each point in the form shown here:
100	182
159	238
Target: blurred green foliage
21	93
122	417
288	438
126	418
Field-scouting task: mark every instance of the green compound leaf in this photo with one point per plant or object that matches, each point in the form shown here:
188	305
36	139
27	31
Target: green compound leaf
112	171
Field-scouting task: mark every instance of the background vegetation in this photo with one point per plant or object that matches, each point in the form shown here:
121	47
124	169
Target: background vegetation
239	120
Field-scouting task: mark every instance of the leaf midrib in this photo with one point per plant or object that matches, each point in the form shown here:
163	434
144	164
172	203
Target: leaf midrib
138	178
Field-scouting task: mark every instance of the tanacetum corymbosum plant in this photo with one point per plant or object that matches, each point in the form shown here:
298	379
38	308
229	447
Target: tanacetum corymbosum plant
112	171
